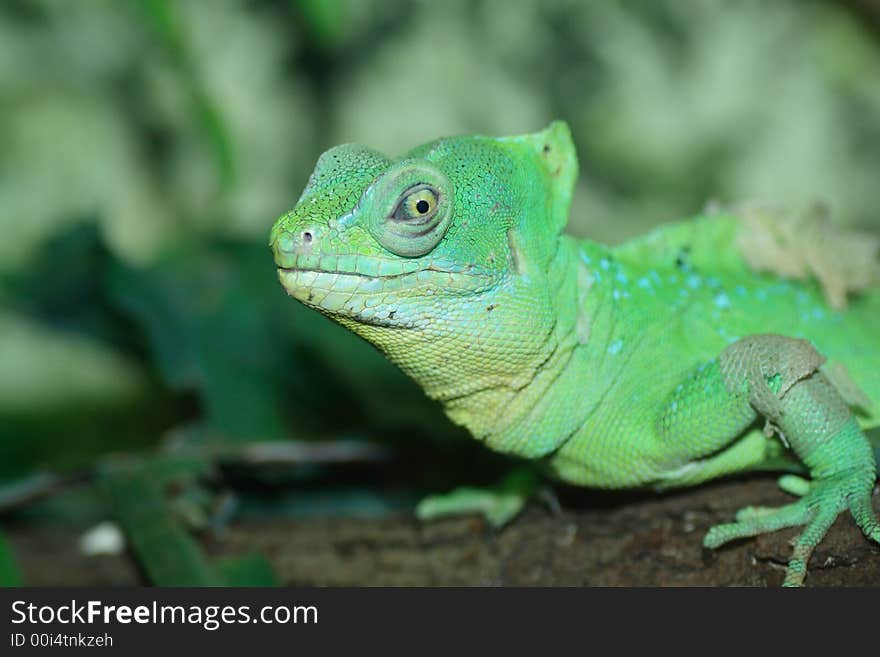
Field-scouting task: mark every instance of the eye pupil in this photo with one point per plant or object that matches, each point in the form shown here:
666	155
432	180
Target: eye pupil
423	206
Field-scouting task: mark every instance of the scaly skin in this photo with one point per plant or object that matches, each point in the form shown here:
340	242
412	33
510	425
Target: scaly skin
667	361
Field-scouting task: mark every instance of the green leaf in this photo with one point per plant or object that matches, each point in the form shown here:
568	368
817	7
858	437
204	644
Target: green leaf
9	572
166	552
250	570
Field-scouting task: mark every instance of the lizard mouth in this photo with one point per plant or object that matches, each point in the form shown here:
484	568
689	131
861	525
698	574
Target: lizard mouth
371	297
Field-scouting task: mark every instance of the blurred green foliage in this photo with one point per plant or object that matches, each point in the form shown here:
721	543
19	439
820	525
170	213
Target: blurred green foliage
146	147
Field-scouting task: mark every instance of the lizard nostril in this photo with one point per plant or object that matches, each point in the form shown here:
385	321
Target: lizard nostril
307	236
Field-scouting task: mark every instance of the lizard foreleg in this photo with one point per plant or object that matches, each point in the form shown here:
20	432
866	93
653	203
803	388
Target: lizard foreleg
779	378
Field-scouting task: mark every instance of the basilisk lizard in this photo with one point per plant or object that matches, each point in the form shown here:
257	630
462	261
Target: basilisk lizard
722	344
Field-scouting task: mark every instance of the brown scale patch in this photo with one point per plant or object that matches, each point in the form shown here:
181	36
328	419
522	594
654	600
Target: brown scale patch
848	389
755	359
808	245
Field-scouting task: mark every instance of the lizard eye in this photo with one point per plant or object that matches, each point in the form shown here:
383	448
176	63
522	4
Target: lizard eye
409	208
418	204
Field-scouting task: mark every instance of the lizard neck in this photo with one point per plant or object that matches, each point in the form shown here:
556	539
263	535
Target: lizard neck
510	368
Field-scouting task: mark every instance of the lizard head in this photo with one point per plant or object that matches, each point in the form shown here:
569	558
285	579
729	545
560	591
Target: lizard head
424	244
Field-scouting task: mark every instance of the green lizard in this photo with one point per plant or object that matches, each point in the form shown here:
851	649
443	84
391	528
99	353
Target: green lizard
694	352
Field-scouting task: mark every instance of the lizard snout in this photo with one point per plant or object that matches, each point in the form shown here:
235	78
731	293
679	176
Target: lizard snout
287	245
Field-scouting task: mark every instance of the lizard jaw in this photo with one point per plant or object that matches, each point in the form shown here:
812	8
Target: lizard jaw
340	294
379	300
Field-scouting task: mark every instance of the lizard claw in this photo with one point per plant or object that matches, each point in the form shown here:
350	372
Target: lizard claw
817	509
498	505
